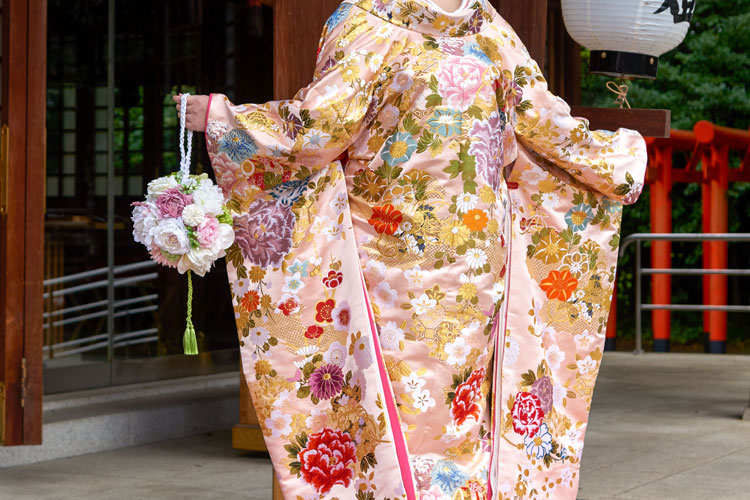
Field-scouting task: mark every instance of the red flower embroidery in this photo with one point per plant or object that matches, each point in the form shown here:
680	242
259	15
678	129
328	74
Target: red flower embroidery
251	300
385	219
464	405
333	279
323	310
289	306
286	175
527	414
328	460
258	180
313	332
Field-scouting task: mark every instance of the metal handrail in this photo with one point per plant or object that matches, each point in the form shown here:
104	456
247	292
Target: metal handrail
637	238
123	308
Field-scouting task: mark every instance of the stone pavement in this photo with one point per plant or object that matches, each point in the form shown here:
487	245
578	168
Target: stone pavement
663	426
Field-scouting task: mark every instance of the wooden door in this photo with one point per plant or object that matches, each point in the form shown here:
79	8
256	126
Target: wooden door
24	48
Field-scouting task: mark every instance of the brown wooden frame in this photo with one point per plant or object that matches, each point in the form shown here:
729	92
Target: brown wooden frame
24	71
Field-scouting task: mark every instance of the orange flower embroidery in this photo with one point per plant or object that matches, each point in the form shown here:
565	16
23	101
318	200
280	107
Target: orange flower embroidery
559	284
385	219
250	301
476	219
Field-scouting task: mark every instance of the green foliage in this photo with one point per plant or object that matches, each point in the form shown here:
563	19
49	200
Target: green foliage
704	78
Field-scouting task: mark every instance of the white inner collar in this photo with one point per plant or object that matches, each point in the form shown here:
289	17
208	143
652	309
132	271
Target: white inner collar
462	9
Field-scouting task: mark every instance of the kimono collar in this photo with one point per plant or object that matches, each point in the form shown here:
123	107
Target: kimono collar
424	17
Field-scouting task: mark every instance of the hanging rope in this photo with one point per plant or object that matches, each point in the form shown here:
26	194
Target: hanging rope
189	342
621	91
185	153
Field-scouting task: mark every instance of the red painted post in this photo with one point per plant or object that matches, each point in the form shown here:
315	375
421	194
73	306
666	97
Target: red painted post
661	258
717	283
706	228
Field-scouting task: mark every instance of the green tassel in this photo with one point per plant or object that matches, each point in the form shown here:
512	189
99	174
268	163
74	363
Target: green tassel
189	342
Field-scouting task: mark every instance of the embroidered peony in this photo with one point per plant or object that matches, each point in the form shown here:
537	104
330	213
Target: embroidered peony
328	459
464	405
264	233
171	203
230	176
542	388
326	381
461	80
527	414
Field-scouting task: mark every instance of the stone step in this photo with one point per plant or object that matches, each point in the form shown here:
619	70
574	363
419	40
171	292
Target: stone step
115	417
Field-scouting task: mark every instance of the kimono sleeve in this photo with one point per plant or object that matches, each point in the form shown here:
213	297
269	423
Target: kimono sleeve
262	146
612	163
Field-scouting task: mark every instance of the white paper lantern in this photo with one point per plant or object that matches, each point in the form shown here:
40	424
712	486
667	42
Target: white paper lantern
626	37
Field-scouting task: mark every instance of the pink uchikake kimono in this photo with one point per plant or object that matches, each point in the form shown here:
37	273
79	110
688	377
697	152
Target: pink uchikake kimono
424	260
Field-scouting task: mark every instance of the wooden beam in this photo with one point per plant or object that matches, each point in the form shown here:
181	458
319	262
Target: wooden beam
649	122
529	20
297	28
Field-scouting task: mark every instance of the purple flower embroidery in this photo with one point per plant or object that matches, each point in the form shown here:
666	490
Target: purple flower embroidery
264	234
171	202
542	388
475	22
487	148
326	381
294	126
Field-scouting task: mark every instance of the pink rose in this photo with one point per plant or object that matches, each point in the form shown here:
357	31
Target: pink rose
207	232
171	202
461	80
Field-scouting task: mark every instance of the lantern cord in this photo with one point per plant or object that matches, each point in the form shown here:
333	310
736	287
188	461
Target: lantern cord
621	91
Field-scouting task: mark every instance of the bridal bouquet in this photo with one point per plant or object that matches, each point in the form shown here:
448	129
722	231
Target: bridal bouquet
184	223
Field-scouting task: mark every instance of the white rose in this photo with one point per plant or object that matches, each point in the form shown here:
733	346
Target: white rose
193	215
209	197
199	260
158	186
145	217
223	241
170	235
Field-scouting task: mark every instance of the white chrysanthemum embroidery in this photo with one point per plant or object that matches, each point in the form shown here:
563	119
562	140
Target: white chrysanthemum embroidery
512	350
476	258
259	336
466	202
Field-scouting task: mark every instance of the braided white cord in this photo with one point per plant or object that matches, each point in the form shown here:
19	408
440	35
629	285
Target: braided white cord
185	155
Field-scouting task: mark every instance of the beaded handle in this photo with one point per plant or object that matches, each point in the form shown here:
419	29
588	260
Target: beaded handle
184	154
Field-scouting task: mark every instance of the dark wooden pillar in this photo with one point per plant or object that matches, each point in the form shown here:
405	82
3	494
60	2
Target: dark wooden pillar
24	49
529	20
